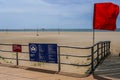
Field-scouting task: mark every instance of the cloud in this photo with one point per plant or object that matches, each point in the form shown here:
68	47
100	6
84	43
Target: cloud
62	2
43	8
50	13
40	12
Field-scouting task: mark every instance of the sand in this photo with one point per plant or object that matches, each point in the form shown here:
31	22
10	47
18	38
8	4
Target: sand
78	39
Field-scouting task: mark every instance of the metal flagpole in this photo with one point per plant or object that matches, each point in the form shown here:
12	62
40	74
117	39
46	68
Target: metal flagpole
93	36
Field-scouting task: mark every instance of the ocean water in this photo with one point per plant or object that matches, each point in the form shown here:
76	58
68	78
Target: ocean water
55	30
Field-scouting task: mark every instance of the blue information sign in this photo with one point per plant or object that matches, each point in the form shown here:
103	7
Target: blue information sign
43	52
52	53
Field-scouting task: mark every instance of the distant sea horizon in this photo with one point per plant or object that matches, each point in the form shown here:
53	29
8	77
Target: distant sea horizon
55	30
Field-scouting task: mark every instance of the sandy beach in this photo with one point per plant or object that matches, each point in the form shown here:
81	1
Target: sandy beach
78	39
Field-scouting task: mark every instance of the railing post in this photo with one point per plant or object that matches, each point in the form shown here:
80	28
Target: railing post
17	62
109	47
104	50
97	53
101	50
59	62
92	60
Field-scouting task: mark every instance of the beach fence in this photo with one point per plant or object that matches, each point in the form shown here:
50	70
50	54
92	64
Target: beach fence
70	59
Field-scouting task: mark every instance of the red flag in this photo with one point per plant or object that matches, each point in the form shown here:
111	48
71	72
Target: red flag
105	15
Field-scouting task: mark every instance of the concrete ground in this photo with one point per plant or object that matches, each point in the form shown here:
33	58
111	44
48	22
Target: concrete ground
8	73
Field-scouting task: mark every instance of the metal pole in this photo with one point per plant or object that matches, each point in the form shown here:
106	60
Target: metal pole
59	64
97	53
109	47
92	60
58	31
93	36
17	63
37	32
104	49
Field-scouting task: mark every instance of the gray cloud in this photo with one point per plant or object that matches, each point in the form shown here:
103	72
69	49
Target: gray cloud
48	13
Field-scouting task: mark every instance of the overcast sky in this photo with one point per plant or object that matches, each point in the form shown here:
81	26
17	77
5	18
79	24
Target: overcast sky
20	14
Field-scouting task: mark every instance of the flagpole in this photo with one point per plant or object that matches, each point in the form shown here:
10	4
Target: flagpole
94	23
93	36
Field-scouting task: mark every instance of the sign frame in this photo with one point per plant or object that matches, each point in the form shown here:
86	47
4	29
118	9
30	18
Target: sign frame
43	52
16	48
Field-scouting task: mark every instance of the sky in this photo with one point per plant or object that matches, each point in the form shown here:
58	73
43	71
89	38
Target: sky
32	14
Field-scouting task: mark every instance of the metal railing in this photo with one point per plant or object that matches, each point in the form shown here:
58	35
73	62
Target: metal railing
98	52
102	51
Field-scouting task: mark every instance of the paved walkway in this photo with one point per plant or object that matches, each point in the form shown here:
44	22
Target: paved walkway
109	69
8	73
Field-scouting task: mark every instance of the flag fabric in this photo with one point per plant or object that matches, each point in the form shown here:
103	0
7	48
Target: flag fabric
105	16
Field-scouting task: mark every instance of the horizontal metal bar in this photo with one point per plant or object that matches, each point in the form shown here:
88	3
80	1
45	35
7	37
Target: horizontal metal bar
6	51
76	64
74	55
60	54
68	46
6	44
12	44
75	47
15	59
24	52
95	66
101	42
8	58
95	59
13	52
95	51
85	47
